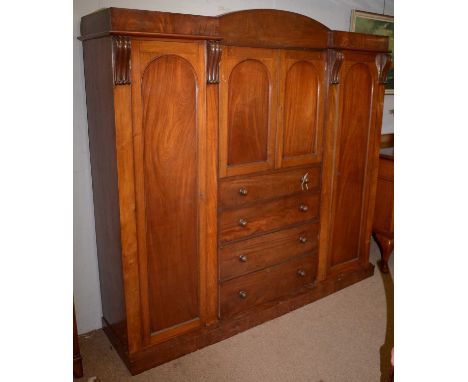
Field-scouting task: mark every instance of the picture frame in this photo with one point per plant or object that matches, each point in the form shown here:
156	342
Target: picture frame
376	24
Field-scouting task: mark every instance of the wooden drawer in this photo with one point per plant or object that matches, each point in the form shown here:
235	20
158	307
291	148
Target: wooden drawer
260	218
241	191
244	292
250	255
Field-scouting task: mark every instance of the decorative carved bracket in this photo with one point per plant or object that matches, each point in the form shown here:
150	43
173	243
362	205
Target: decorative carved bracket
213	56
121	63
383	61
335	59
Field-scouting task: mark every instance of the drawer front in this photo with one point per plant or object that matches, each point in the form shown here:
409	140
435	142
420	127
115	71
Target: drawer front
241	191
264	251
260	218
245	292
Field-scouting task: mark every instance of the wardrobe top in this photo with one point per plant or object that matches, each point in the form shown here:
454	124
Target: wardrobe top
268	28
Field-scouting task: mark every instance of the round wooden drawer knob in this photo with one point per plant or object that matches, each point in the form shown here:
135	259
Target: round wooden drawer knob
303	208
243	191
301	272
242	258
242	222
243	294
302	239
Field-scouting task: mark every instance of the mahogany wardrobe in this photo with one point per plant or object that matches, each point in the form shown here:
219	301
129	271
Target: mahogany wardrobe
234	163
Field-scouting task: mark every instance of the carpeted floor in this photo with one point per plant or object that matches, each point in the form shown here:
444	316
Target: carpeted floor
344	337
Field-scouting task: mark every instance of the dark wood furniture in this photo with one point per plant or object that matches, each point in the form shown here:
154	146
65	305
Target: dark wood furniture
77	361
234	163
382	228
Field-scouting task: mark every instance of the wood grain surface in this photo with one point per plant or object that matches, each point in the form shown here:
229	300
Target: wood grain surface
170	185
351	164
269	186
169	111
268	284
97	55
248	108
268	216
266	250
301	99
354	174
248	113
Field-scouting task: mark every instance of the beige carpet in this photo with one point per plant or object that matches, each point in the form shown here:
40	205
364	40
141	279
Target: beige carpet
341	338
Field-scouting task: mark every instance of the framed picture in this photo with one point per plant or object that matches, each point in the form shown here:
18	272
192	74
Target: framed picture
374	23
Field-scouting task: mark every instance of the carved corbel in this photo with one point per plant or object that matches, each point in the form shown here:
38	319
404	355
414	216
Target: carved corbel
213	56
383	61
335	59
121	63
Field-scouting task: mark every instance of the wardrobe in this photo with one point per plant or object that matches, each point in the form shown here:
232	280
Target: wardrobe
234	163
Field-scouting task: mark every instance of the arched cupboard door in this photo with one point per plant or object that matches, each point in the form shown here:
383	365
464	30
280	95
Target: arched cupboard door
247	110
354	138
301	112
168	112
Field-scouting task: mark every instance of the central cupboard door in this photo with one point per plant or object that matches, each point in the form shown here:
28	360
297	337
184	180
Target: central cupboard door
271	109
247	110
301	111
168	108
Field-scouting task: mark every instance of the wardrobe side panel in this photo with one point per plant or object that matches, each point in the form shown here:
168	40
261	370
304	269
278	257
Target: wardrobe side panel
97	54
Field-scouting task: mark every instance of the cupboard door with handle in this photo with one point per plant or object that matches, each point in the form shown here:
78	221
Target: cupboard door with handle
168	96
247	110
356	134
301	111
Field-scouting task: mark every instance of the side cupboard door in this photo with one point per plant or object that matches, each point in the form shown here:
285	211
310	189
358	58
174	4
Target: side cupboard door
168	112
247	110
301	111
354	142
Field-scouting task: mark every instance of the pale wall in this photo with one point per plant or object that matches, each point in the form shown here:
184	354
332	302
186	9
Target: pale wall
335	14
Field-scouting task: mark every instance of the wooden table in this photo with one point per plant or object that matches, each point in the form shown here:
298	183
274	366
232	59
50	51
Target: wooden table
382	228
77	362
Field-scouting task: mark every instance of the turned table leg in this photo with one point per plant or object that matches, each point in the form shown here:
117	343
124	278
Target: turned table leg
386	247
77	362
